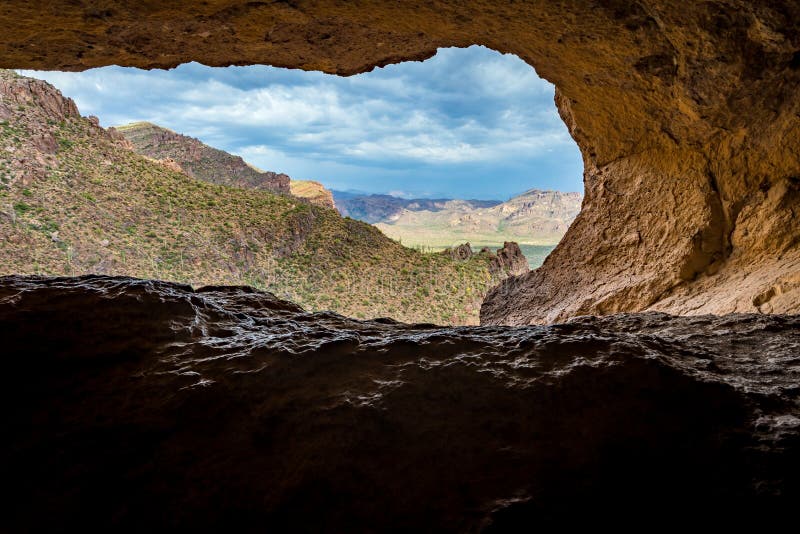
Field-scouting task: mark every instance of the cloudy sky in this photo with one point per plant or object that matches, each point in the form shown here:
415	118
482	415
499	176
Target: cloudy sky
468	123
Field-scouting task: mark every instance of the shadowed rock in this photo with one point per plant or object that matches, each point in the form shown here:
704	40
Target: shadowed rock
138	404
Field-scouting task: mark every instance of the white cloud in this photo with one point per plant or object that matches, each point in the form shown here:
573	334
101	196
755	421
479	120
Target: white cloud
464	107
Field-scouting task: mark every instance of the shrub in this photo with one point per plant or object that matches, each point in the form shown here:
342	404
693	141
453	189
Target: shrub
21	207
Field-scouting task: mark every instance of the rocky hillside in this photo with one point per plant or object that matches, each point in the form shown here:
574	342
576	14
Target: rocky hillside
534	217
75	199
199	160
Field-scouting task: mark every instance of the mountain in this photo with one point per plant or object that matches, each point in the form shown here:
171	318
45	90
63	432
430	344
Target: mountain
533	218
199	160
381	208
76	199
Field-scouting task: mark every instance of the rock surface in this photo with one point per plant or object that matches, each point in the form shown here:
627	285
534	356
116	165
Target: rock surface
686	114
46	106
133	405
461	252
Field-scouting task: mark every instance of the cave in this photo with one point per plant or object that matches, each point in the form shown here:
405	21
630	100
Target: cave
682	401
685	116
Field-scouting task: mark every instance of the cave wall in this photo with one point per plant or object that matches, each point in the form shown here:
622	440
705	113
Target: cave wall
687	115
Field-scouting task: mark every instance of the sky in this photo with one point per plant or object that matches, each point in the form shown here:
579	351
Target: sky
467	123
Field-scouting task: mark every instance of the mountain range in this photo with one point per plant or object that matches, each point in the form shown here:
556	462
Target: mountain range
377	208
534	217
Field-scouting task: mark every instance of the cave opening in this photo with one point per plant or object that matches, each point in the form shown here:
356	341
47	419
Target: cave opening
133	404
449	175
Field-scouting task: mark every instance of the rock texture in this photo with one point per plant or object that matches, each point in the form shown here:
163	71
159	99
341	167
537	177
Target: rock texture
20	94
199	160
686	114
224	409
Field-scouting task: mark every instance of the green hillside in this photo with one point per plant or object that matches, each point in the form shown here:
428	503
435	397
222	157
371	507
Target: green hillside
75	199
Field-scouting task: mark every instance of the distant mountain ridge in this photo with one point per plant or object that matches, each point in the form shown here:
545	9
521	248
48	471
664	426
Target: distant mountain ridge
375	208
535	217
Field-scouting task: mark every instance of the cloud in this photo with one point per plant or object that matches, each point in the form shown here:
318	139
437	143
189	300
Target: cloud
412	127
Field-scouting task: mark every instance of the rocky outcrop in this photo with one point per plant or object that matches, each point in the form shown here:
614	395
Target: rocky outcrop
172	165
199	160
32	113
132	404
461	252
312	191
686	114
511	260
42	98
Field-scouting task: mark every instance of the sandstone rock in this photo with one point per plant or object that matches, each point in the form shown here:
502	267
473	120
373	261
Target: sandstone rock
313	191
120	139
224	409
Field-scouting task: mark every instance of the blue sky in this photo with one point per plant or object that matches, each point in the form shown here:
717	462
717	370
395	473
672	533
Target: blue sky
467	123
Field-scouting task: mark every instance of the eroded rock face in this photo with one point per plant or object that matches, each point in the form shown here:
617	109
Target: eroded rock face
136	404
686	114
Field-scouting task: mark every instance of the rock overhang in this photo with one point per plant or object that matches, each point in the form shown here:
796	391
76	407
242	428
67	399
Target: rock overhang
687	117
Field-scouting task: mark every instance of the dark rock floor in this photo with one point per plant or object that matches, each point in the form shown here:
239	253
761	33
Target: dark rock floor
139	405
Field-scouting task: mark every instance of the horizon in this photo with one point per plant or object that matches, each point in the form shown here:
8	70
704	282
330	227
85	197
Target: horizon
468	123
356	192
